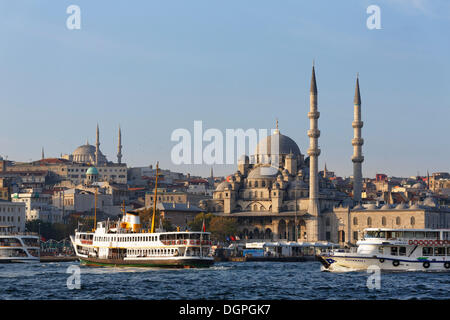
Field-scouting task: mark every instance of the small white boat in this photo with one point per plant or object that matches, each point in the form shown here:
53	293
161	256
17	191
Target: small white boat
18	246
393	250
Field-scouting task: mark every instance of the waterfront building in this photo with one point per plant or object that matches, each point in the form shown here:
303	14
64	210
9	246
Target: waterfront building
13	214
38	205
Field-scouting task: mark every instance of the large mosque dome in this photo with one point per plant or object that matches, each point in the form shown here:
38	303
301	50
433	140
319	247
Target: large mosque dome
285	144
86	154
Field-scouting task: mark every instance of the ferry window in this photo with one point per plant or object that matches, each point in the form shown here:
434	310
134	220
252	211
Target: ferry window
402	251
439	251
420	235
427	251
432	235
448	251
381	250
394	251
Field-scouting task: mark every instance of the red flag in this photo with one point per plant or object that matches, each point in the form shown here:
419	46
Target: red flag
203	227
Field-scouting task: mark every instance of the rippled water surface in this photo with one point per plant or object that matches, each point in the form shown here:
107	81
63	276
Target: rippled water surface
230	280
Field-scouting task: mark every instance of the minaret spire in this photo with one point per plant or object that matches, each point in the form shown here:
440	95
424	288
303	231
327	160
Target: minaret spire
357	143
97	146
119	148
313	152
42	155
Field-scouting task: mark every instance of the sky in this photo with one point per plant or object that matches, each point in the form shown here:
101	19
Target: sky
156	66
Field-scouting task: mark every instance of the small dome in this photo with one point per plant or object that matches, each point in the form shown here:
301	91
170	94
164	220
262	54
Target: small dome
92	170
385	207
429	202
401	206
297	184
371	206
417	186
223	185
263	172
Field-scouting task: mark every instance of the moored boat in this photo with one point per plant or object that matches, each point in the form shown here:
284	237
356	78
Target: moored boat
393	250
18	246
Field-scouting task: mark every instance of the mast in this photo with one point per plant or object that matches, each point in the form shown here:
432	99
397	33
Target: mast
95	209
155	199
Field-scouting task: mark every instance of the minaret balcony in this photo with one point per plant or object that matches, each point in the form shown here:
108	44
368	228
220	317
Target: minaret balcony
357	124
314	133
314	152
314	115
357	141
357	159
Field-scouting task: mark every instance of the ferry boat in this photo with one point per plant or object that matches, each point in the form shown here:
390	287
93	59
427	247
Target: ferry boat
18	246
393	250
124	243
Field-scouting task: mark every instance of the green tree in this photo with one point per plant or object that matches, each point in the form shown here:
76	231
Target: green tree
220	227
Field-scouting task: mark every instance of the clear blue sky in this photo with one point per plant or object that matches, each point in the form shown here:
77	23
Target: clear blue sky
155	66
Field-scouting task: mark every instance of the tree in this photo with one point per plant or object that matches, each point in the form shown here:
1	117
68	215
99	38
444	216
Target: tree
220	227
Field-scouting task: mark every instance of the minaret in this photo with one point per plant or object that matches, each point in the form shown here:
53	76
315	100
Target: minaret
97	146
42	155
313	152
357	143
119	148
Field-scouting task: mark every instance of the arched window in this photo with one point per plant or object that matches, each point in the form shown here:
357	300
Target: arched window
263	183
397	220
256	184
249	184
413	221
355	221
369	221
383	221
255	208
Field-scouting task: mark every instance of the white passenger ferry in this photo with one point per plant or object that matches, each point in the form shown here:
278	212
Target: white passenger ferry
394	250
123	243
18	246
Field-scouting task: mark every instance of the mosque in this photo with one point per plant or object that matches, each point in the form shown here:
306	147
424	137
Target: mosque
278	194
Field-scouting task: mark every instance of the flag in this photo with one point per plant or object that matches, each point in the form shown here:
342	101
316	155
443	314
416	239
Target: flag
233	238
203	226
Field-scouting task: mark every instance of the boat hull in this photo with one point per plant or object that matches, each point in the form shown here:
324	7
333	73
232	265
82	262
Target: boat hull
154	263
344	263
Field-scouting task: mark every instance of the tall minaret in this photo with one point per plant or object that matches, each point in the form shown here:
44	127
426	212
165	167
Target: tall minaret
313	152
119	148
357	143
42	155
97	146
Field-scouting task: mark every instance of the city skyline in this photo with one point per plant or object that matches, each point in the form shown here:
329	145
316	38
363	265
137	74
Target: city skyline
168	67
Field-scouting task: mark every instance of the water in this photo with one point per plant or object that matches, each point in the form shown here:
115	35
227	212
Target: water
228	281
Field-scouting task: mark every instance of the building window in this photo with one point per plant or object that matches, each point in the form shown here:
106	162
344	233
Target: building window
355	235
355	221
397	221
413	221
369	221
383	221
